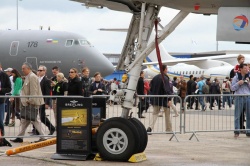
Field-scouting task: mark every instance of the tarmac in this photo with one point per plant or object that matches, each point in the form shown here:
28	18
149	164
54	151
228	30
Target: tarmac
213	148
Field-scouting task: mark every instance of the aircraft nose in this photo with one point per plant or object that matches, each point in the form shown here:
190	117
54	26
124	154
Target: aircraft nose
106	67
99	63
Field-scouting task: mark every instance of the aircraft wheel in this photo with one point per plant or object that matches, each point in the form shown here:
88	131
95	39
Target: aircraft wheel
143	134
117	139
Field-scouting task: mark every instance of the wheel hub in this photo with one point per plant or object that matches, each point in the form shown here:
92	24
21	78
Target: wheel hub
115	141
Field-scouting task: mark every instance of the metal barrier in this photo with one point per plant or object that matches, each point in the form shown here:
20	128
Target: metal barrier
159	127
193	120
113	110
12	109
215	118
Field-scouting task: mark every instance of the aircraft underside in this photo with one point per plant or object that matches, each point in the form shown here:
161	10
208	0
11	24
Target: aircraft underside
193	6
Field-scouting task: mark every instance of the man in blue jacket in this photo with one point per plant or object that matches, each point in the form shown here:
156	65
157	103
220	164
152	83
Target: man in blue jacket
241	86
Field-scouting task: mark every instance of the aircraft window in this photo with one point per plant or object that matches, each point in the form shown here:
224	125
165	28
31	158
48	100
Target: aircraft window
183	72
84	42
76	42
69	42
14	48
186	72
189	72
196	72
193	72
203	72
200	72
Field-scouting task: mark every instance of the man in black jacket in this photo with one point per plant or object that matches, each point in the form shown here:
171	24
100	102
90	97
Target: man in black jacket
161	86
193	89
189	90
140	91
215	89
45	87
5	87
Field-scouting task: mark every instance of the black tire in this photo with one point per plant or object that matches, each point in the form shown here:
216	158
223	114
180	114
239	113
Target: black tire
143	140
117	139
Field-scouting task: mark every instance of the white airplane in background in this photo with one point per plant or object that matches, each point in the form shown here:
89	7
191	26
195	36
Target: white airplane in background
211	69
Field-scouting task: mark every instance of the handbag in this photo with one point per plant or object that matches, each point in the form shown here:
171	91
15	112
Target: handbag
29	113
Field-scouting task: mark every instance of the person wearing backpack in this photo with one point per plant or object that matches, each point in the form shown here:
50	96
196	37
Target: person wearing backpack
194	99
199	86
215	89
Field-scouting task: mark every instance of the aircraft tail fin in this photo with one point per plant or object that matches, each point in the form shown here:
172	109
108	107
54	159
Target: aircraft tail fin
164	54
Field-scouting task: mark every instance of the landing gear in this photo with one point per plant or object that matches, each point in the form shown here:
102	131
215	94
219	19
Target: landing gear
118	139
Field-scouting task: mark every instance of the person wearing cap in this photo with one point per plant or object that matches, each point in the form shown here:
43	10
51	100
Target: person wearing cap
8	106
5	87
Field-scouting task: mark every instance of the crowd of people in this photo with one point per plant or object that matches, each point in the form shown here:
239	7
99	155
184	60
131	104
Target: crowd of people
204	89
36	83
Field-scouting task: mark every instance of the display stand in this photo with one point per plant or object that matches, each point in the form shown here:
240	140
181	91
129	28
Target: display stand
73	128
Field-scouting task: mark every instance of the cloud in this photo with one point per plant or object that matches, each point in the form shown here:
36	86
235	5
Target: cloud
86	23
78	19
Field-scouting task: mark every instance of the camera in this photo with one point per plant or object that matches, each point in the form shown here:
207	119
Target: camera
246	80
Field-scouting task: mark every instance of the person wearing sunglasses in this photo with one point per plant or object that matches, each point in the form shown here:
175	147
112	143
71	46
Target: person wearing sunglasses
74	84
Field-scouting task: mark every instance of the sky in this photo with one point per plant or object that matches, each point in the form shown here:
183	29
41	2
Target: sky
197	33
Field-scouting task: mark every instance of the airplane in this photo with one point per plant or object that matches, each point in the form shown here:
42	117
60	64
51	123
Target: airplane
205	66
186	70
51	48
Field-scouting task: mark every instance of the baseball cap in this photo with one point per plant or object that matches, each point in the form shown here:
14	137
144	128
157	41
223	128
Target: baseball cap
8	69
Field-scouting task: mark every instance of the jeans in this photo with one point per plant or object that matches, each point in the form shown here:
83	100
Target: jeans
2	111
240	102
201	101
227	99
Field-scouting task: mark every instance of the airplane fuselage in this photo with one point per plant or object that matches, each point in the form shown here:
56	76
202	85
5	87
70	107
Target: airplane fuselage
51	48
186	70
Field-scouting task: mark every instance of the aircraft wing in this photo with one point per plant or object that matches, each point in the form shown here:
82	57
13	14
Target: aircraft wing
193	6
195	60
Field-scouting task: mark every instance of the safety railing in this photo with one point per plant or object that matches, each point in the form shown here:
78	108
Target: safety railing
13	117
112	110
192	121
219	115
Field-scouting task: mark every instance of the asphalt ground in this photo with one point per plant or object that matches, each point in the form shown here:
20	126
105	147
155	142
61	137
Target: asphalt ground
213	148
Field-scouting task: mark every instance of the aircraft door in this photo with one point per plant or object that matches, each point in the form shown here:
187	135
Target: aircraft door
14	48
32	61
